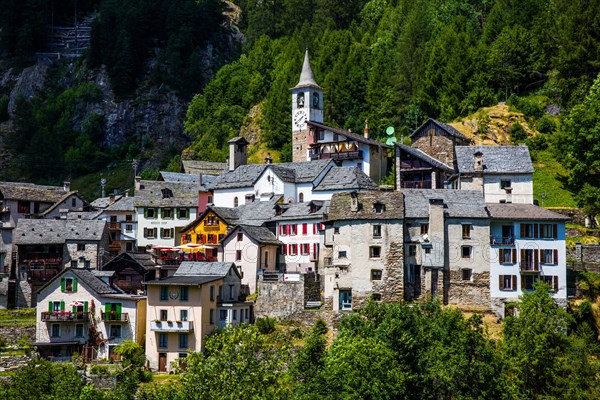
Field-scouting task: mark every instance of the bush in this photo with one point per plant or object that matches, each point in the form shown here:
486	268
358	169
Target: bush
517	133
265	325
100	370
538	142
545	125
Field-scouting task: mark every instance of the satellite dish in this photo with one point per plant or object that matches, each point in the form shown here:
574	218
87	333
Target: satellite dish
390	141
390	130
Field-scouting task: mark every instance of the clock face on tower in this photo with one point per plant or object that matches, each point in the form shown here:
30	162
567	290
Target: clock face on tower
300	119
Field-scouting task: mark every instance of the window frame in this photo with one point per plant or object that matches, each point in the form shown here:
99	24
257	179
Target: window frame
377	231
466	231
164	293
163	341
466	252
375	252
376	274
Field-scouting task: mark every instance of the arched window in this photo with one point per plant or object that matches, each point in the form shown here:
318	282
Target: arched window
301	198
235	201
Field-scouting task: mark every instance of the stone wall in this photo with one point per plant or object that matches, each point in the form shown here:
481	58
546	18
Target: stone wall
392	288
312	288
9	363
12	334
279	299
577	216
438	146
3	290
473	293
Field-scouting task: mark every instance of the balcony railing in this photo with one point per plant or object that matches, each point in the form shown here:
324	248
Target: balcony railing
41	275
115	317
114	226
64	316
327	261
416	184
529	266
115	245
502	240
172	326
342	155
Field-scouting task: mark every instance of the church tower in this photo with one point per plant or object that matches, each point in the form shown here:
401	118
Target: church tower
307	105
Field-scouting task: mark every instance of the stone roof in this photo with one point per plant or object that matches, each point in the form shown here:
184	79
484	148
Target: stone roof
448	128
517	211
307	79
74	215
122	204
144	261
391	203
197	273
349	135
103	202
57	231
413	151
300	172
458	203
167	176
294	211
90	279
31	192
150	194
346	178
203	167
259	234
243	176
496	159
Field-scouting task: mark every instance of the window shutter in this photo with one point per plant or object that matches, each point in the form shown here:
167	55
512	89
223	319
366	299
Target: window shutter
522	230
536	260
119	308
522	256
74	309
85	306
50	307
74	284
514	256
62	306
501	282
315	253
304	229
555	278
555	230
287	229
154	231
145	212
62	285
280	230
535	231
107	307
315	229
522	282
555	258
514	282
172	232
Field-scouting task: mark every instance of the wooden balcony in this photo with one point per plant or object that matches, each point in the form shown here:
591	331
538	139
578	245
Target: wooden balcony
116	245
114	226
342	155
115	317
64	316
502	241
41	275
416	184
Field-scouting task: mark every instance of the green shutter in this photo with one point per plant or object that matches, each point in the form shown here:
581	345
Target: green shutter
74	309
50	308
74	284
85	306
119	308
62	285
107	307
145	212
62	306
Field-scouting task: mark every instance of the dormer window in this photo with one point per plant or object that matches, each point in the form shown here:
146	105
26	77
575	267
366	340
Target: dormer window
379	207
166	193
277	210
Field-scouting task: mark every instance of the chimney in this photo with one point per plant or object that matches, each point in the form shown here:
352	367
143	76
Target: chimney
127	193
366	130
268	159
111	199
67	186
199	180
478	161
138	180
237	152
354	201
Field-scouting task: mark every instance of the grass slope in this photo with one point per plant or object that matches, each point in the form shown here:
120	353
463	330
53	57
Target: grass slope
547	179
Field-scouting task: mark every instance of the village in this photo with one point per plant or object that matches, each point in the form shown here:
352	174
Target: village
221	244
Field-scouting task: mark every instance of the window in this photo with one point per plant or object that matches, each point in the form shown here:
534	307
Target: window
466	231
87	263
301	198
424	229
163	340
293	249
240	236
128	228
73	263
527	281
129	246
211	220
182	213
166	233
79	330
376	231
342	254
379	207
293	229
345	299
80	246
376	296
184	293
211	316
466	251
552	281
209	200
222	315
115	331
467	274
548	231
166	193
427	250
70	285
230	292
508	282
238	255
183	315
305	248
164	315
527	230
375	251
507	256
150	233
376	274
150	212
336	230
129	218
23	207
183	340
234	315
235	201
549	256
505	184
73	202
55	330
212	293
412	250
164	293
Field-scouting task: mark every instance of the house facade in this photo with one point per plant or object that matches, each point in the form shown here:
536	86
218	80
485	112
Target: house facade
438	140
121	219
418	170
79	301
527	245
184	308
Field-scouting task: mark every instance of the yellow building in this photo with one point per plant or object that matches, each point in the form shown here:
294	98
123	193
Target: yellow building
207	231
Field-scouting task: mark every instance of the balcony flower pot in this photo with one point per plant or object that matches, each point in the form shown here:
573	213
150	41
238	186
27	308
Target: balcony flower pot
157	321
169	322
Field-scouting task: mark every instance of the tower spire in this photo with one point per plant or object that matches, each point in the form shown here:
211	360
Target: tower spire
307	79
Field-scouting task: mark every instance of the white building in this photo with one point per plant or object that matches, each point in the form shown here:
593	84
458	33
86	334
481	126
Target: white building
527	244
121	219
79	300
502	173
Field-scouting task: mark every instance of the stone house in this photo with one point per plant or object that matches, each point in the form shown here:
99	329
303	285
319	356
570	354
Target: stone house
204	180
438	140
184	308
78	301
121	218
527	244
254	250
503	173
131	270
363	253
446	254
418	170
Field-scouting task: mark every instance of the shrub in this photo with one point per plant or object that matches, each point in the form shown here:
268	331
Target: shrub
265	325
100	370
545	125
517	133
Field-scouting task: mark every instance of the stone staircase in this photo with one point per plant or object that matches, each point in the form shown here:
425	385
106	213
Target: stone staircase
69	42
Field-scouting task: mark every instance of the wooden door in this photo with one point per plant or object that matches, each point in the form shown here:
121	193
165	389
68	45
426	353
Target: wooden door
162	362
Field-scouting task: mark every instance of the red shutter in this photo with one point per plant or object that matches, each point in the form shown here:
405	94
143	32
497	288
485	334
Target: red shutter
555	230
305	229
522	230
555	258
536	260
315	229
287	229
284	249
535	231
514	256
315	255
514	282
522	256
280	230
501	282
555	278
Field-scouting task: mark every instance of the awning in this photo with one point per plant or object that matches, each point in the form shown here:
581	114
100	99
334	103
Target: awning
40	344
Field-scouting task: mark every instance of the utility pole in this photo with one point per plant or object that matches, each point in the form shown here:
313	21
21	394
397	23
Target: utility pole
102	184
134	164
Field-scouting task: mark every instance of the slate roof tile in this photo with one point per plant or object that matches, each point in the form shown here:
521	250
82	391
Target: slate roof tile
496	159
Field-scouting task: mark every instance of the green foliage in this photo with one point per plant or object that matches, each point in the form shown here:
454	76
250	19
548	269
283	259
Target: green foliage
589	284
517	133
545	124
588	199
265	325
